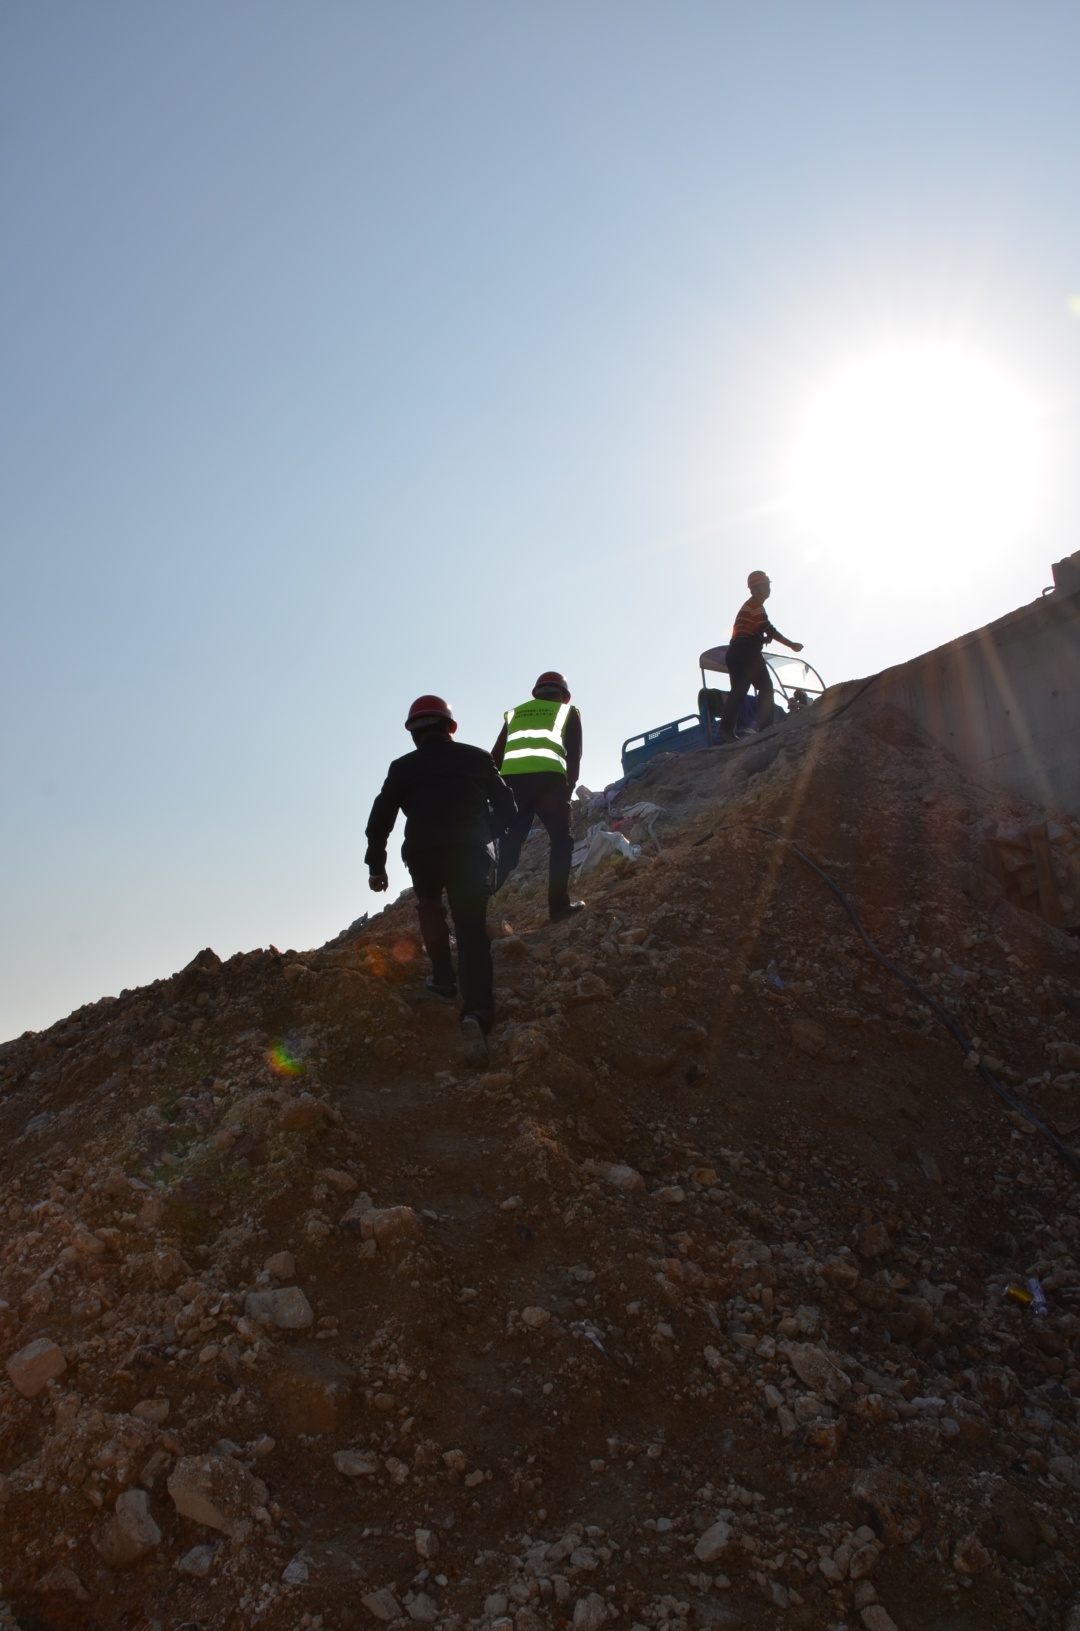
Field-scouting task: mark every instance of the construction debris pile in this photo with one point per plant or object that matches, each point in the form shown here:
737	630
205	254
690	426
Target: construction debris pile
707	1305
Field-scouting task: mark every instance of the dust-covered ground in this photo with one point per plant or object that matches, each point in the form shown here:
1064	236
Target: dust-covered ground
690	1311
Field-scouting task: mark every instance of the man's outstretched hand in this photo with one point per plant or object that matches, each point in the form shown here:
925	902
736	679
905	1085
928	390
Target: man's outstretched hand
379	882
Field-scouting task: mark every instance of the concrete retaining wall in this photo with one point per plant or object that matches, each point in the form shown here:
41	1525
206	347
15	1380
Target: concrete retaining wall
1005	700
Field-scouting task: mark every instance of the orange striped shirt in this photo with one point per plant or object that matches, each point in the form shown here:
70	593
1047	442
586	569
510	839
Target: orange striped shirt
750	620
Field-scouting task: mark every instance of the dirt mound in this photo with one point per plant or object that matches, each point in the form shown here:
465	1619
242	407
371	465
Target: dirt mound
690	1311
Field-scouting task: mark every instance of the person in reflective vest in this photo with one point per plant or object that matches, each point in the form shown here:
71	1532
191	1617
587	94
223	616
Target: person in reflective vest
539	754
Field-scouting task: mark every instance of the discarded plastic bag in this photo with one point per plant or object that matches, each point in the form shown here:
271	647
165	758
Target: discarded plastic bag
647	815
604	845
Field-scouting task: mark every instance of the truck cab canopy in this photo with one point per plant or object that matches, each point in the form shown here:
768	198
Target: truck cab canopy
790	674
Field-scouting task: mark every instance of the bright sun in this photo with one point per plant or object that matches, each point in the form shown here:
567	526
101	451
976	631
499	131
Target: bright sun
914	455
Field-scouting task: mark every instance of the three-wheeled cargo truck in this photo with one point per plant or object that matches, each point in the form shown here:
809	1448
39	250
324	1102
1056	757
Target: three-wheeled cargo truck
795	683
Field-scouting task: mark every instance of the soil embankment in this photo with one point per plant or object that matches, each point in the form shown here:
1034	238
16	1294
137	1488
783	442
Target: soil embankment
690	1311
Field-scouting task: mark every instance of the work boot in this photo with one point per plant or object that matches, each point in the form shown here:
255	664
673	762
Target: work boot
558	914
476	1043
725	733
445	990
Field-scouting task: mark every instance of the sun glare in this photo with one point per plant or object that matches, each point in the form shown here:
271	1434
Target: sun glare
915	455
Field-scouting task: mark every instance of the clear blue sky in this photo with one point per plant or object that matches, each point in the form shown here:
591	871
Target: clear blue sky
354	350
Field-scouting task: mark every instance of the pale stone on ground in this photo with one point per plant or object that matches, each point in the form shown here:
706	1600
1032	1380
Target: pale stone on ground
130	1534
391	1226
215	1491
35	1365
382	1604
282	1265
590	1613
713	1542
352	1465
285	1307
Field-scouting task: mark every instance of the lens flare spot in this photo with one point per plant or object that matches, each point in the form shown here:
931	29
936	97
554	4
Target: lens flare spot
283	1062
375	961
403	951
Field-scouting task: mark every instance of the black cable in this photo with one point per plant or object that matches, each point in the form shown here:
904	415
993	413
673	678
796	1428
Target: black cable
943	1014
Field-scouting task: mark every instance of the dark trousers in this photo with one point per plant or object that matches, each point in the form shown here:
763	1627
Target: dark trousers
744	673
547	797
464	871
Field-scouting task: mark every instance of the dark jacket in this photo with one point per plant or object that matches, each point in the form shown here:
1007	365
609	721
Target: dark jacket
451	794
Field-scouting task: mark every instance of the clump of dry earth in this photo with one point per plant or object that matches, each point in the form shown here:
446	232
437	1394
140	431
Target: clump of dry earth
689	1312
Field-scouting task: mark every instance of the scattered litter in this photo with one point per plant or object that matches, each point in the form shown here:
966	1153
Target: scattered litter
582	1328
645	815
601	846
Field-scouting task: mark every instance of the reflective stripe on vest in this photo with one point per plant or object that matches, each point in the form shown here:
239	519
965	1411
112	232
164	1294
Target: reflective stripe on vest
534	737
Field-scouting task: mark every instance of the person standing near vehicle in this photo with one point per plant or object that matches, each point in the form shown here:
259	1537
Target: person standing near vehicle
455	803
746	665
539	754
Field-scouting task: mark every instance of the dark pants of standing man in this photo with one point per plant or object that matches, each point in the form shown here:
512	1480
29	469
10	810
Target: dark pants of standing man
744	672
465	872
547	798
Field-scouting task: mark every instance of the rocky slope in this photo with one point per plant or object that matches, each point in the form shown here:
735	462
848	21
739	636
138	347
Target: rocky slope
690	1311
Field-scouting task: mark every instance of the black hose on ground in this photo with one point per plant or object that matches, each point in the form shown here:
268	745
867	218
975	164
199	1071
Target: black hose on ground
1015	1104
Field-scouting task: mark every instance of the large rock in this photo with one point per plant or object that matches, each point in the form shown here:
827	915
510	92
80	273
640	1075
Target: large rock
35	1365
352	1464
303	1114
970	1555
215	1491
282	1265
713	1542
86	1243
61	1581
895	1508
199	1560
616	1173
814	1367
286	1307
841	1272
382	1604
352	1220
312	1390
426	1542
1011	1530
874	1240
342	1183
590	1613
391	1226
167	1267
130	1534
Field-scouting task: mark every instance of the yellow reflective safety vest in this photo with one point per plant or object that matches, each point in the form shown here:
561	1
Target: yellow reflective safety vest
534	737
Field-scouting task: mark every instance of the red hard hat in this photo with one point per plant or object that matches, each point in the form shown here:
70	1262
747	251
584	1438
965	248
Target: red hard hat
552	678
430	708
